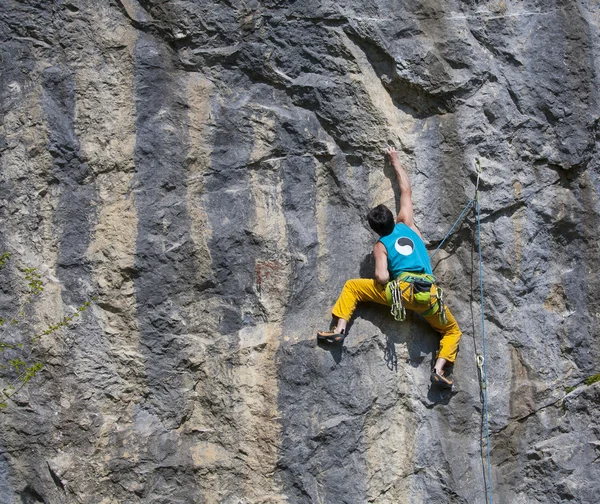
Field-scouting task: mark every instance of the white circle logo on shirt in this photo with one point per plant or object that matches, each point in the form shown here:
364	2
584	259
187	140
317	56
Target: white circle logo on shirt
404	246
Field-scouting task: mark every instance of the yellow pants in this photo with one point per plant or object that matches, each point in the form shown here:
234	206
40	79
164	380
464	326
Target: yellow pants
367	289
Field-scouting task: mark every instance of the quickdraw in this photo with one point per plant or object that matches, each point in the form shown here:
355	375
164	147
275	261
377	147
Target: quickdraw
442	306
480	363
421	284
398	310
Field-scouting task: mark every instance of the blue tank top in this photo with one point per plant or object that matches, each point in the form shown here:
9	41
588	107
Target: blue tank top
406	251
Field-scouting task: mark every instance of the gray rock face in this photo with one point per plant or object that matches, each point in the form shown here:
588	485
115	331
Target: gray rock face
205	168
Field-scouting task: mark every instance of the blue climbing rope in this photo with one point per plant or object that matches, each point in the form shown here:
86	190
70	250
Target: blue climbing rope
481	359
452	228
484	366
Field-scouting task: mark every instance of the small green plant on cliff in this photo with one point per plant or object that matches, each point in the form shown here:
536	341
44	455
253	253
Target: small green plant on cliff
17	343
592	379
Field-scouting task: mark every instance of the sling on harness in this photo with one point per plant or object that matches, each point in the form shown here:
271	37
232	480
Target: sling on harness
421	286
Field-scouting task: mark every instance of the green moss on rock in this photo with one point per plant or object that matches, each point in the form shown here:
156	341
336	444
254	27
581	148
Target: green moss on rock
592	379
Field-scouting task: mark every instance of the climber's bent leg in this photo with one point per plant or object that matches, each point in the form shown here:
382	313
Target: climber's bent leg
450	337
354	291
450	333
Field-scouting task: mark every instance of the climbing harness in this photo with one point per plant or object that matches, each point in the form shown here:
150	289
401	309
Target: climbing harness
420	286
481	358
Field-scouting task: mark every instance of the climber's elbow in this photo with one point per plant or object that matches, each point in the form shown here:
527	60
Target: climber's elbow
382	278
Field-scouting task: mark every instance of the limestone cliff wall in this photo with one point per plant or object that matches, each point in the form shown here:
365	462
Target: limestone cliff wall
204	168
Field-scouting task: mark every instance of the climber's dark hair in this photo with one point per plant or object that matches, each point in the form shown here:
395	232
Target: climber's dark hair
381	220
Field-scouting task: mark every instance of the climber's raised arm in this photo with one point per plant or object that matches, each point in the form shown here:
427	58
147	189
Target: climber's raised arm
405	214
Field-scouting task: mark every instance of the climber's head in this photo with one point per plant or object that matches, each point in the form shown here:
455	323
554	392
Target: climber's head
381	220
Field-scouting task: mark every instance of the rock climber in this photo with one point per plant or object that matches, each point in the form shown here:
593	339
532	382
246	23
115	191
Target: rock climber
403	278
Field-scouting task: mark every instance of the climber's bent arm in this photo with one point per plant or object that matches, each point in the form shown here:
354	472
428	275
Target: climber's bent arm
382	274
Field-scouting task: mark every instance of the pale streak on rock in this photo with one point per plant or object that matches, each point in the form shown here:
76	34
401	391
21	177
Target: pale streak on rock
264	131
200	92
28	159
321	211
397	124
26	134
392	432
272	267
517	219
257	381
556	301
272	270
208	455
105	125
27	156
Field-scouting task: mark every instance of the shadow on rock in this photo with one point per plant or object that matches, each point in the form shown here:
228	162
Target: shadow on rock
438	395
390	356
367	266
420	340
335	349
